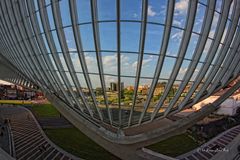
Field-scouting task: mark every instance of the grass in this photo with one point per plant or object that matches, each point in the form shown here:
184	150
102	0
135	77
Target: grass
45	110
71	139
16	102
175	146
75	142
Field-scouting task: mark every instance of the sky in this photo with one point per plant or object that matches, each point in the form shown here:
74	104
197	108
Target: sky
130	37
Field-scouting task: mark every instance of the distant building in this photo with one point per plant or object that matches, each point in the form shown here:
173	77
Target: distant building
11	93
159	88
99	91
113	86
130	88
143	89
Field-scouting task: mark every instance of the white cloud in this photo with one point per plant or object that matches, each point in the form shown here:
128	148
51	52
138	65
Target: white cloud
177	36
109	79
145	62
163	10
72	49
151	12
135	15
89	60
125	60
181	7
134	65
110	63
198	21
91	63
171	54
109	60
176	22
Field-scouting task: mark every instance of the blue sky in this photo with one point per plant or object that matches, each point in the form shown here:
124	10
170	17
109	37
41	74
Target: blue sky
130	36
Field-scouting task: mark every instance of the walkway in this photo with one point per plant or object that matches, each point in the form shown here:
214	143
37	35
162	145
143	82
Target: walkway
30	142
217	147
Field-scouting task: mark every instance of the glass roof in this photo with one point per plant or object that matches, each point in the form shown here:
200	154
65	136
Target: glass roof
122	62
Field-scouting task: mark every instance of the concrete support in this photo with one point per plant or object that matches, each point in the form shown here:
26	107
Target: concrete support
129	147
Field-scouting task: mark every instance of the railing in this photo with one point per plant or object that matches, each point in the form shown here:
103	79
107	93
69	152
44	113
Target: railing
10	140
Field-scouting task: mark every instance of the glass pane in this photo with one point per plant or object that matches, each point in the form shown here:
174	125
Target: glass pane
65	12
60	77
46	44
131	10
87	37
36	5
142	93
167	67
218	5
196	72
63	61
70	39
130	36
39	22
191	46
148	65
214	25
53	62
153	40
56	41
109	63
91	62
199	18
108	36
217	54
50	17
95	80
206	50
203	1
47	2
84	11
225	31
106	9
174	42
83	83
183	70
157	11
75	60
128	84
128	64
180	13
70	79
230	14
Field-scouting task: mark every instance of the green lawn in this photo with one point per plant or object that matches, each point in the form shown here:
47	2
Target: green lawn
45	110
175	146
75	142
16	102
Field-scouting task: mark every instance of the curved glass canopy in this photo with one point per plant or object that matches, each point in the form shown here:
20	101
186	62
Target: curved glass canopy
123	62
